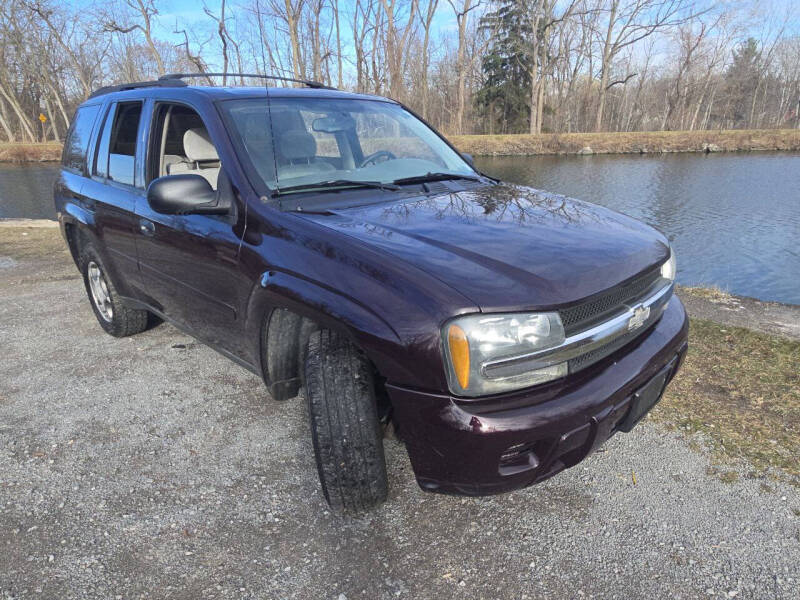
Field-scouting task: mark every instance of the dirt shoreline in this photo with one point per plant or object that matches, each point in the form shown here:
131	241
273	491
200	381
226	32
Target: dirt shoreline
772	318
12	152
639	142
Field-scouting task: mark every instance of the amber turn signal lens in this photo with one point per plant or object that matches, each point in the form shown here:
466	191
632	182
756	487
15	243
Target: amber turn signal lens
459	354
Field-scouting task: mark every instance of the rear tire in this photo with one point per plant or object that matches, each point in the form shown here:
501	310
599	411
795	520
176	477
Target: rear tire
344	423
114	317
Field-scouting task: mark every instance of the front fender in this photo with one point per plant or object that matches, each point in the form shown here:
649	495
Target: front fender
327	309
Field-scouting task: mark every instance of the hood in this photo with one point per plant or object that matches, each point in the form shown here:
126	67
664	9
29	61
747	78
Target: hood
507	247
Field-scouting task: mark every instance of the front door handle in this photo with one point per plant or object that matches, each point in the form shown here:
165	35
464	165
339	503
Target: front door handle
147	228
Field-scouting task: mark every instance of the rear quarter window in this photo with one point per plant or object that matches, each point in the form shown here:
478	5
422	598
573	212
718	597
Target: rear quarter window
78	137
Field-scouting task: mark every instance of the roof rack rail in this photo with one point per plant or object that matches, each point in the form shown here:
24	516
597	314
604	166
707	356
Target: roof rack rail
121	87
306	82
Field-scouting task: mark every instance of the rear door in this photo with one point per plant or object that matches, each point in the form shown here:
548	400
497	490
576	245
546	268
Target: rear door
190	263
114	189
68	188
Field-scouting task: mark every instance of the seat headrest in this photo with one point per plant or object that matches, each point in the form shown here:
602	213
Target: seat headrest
197	145
295	145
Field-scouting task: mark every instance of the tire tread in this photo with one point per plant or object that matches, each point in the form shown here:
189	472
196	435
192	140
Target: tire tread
344	423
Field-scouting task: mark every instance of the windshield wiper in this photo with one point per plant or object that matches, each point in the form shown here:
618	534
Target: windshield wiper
324	186
434	177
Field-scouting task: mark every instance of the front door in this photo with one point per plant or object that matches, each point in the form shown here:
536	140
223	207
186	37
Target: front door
190	263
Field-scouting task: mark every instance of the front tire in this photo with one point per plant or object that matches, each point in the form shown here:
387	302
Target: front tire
345	431
114	317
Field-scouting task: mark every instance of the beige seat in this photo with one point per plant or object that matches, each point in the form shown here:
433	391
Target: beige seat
201	156
171	159
297	151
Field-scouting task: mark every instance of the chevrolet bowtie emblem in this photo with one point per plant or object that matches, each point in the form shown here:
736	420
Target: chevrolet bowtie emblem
640	315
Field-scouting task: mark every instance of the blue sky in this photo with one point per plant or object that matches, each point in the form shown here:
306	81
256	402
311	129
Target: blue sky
188	14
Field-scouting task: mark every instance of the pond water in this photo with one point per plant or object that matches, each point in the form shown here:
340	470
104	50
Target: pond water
26	191
733	219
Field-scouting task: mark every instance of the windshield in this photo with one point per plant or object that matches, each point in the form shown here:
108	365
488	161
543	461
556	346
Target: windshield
324	143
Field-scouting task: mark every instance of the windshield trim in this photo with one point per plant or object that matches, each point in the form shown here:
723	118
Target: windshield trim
269	193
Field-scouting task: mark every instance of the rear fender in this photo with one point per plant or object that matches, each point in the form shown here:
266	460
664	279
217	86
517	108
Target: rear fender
78	228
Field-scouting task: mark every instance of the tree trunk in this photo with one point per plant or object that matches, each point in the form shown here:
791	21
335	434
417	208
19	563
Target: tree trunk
292	22
149	38
4	123
605	67
461	18
27	131
338	44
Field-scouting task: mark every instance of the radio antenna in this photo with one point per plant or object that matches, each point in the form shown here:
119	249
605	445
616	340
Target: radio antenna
274	154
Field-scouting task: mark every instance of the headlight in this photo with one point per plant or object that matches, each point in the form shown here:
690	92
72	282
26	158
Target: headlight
486	354
669	268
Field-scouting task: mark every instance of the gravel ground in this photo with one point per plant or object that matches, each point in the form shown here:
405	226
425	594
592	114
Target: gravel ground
151	467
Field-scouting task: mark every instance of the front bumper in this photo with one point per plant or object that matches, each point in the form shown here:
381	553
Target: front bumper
491	445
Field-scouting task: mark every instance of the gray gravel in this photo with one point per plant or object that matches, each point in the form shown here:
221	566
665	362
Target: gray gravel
152	467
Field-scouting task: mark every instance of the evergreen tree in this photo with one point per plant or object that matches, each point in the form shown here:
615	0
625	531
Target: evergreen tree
741	81
503	100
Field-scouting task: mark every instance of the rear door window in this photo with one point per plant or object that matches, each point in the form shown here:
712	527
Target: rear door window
116	152
78	137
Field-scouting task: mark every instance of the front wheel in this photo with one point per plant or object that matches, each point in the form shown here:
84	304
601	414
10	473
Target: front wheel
114	317
347	439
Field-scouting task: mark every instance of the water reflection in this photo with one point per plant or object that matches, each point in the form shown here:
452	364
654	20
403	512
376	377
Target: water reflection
505	203
26	191
734	219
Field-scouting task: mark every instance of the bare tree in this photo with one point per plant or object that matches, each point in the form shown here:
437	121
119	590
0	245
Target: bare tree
335	9
628	22
226	40
397	34
290	12
462	12
597	64
144	10
426	19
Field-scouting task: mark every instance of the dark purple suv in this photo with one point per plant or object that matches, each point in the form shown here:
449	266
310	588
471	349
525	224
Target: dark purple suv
335	244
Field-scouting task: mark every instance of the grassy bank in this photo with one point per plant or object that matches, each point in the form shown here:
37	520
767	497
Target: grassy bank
629	143
741	389
21	153
563	143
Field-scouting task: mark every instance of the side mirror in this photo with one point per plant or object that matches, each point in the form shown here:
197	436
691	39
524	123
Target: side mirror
187	194
468	158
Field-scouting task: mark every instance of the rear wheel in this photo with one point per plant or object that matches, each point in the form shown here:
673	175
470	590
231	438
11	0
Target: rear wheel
114	317
345	430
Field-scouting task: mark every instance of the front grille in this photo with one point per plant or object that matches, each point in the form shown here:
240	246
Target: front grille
582	316
584	360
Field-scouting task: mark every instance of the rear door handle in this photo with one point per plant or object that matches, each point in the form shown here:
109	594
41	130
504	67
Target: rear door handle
147	228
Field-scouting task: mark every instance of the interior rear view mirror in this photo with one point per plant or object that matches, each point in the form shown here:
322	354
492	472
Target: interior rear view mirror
334	123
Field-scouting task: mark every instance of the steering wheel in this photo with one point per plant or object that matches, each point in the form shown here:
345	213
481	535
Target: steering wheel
372	159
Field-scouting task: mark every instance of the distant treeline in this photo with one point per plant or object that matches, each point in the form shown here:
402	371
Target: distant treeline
468	66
